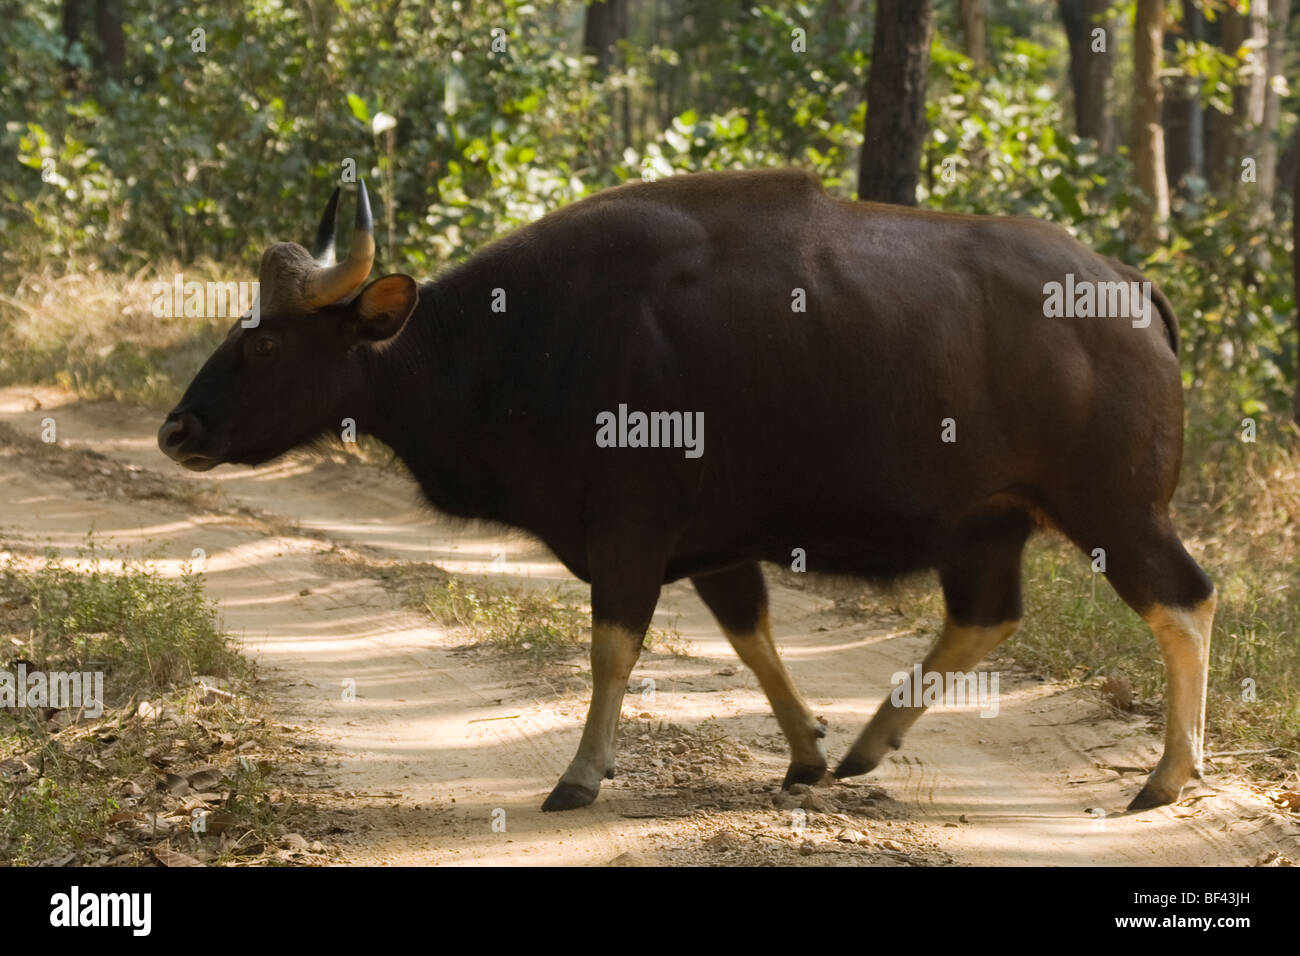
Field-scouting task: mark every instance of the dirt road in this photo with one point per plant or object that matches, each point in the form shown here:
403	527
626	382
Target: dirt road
446	752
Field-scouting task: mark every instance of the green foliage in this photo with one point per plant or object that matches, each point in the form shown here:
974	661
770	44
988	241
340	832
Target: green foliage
1000	144
143	630
50	817
1226	269
997	146
215	144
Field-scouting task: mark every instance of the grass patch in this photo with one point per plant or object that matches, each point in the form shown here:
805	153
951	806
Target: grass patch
534	623
147	632
176	731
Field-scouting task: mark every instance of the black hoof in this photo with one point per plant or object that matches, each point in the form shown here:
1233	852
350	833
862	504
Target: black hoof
568	796
1149	797
803	773
853	765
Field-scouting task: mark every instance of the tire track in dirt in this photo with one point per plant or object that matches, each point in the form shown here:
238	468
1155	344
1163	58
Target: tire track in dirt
1016	789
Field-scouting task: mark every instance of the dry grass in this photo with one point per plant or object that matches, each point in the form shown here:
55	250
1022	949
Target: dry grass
94	333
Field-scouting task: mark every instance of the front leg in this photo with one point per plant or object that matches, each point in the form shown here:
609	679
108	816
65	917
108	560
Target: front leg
614	651
625	585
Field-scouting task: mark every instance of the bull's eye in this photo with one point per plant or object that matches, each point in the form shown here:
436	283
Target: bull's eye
264	347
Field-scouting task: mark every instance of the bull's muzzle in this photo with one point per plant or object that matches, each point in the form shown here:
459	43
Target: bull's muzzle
180	433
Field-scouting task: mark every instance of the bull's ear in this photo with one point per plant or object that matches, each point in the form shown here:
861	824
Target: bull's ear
384	306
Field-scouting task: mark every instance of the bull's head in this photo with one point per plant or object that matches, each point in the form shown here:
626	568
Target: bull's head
283	381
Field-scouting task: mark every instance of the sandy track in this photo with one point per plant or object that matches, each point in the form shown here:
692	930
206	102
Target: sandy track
441	738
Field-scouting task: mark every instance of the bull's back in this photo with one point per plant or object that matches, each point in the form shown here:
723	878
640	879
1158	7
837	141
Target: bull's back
863	366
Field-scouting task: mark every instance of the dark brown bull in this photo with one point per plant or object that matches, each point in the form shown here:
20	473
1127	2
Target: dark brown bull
828	430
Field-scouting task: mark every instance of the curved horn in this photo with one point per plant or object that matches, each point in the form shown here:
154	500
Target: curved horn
332	283
322	249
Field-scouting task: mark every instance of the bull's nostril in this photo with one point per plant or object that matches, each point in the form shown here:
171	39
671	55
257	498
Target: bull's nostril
177	430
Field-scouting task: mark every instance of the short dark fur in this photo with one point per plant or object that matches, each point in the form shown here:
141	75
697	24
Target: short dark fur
822	429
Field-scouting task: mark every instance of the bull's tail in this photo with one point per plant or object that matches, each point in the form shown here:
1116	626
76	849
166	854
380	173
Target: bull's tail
1161	303
1166	315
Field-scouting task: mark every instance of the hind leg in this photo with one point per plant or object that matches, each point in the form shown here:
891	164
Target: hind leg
1183	634
1149	568
981	587
738	599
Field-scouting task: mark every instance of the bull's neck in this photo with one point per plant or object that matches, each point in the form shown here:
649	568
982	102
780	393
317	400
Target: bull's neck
425	395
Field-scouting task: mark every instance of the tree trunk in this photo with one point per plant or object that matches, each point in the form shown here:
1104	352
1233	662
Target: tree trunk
972	28
72	15
1184	121
1249	97
1236	136
111	56
1279	14
71	21
606	25
1148	135
1090	69
1220	135
895	126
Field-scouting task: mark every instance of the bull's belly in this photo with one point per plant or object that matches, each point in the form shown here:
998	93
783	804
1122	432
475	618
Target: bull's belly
875	547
